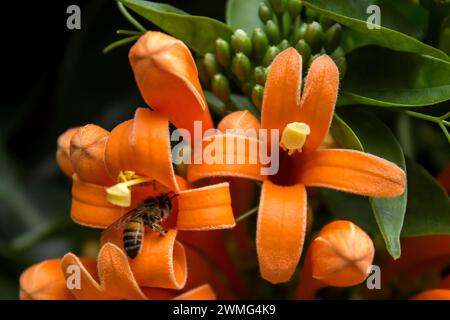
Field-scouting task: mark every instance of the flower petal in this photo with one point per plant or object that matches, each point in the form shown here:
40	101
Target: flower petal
204	292
44	281
90	207
318	100
142	145
282	91
63	151
280	230
167	78
161	262
243	154
89	289
115	274
353	171
206	208
434	294
238	120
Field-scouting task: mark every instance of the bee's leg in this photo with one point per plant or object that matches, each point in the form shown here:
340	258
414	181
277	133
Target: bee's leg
159	229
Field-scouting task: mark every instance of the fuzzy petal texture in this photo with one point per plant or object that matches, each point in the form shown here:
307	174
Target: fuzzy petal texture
204	292
167	78
87	152
280	230
282	91
44	281
238	120
318	100
142	145
161	261
206	208
243	155
354	172
63	151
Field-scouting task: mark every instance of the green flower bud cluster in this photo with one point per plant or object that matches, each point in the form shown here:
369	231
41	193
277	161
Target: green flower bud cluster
247	57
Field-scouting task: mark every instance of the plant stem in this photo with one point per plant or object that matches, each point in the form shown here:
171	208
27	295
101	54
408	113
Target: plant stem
440	121
129	32
247	214
128	16
119	43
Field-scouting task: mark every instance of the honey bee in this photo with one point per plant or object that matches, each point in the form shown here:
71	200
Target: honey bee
150	212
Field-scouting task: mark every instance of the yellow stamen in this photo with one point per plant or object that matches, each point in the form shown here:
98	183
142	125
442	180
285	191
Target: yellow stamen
294	137
120	193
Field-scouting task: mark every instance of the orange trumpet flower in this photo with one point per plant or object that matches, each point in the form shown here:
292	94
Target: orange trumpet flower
339	256
304	123
167	78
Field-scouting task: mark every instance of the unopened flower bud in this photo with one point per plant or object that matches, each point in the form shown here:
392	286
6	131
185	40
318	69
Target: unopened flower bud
257	96
284	45
304	50
325	22
221	87
273	32
211	66
294	8
314	36
332	38
271	53
311	15
286	23
341	254
240	42
241	66
279	6
223	52
299	33
63	151
260	75
202	73
260	43
264	12
87	149
338	57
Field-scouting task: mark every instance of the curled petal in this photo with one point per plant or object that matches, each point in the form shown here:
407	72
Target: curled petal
280	230
435	294
239	121
341	254
167	78
87	149
63	151
44	281
318	100
353	171
161	261
242	154
90	207
204	292
206	208
142	145
282	91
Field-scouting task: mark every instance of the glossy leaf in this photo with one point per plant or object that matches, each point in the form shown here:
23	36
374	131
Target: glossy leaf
199	33
428	209
375	137
398	28
385	78
243	14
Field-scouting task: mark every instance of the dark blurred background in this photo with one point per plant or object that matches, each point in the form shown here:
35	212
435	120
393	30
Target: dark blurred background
52	79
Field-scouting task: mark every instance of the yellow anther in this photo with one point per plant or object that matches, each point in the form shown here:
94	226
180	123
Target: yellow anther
294	136
120	193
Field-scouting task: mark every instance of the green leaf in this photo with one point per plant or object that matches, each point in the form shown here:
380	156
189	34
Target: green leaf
243	14
399	26
385	78
428	204
376	138
199	33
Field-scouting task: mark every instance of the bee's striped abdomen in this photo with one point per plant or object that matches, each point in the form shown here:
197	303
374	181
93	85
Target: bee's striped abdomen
132	236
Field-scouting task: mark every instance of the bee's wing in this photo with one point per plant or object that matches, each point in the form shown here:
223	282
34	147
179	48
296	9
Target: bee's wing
123	220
